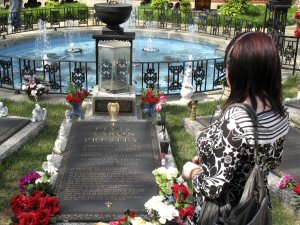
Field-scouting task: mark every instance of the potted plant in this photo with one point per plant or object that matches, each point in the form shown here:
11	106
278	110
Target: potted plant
75	97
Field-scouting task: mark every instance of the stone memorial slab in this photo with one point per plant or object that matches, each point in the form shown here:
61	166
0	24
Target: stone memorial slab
294	103
10	126
106	169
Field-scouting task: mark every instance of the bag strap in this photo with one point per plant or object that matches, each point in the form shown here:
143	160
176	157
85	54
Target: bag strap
254	120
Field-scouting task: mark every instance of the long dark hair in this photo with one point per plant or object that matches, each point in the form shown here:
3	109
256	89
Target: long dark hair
254	70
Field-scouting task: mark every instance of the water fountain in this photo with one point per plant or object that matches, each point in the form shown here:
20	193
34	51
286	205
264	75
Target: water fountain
69	36
42	42
149	48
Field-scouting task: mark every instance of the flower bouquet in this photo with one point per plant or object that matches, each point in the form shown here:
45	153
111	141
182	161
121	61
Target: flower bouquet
75	97
171	204
35	86
149	100
36	204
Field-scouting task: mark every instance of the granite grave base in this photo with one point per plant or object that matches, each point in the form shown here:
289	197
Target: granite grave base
106	169
10	126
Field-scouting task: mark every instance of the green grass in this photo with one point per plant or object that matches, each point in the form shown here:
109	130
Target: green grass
290	87
30	156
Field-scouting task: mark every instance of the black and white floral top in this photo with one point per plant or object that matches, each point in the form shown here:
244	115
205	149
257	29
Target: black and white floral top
227	150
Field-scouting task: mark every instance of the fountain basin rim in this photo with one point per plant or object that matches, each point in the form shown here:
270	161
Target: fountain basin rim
111	6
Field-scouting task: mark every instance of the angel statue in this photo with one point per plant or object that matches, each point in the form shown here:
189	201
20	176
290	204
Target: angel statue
38	113
3	110
113	109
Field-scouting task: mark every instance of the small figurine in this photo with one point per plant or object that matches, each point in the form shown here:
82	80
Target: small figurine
113	109
187	89
193	107
3	110
38	113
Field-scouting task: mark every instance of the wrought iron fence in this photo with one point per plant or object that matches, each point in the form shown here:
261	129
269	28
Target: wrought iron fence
165	75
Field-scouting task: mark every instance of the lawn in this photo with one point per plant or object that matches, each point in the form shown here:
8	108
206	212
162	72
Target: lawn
31	156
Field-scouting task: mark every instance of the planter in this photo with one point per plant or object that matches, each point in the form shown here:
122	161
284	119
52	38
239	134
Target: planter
164	147
113	14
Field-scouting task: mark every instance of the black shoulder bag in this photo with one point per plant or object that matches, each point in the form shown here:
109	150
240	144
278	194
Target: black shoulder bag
252	209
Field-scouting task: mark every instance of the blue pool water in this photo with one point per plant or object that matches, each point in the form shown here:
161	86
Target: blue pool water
169	49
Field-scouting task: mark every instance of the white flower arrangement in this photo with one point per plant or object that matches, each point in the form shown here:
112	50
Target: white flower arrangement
35	86
162	210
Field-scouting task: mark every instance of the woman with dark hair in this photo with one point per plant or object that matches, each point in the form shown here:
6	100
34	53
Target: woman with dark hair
226	148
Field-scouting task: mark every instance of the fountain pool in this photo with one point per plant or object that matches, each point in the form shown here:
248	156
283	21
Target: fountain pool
169	51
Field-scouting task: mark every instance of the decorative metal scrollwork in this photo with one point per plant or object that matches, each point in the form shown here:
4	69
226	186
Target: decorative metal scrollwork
289	53
189	18
83	16
28	21
78	77
227	26
52	70
215	24
150	78
16	21
122	71
54	17
5	79
176	20
258	26
238	26
148	16
249	26
199	76
3	23
202	23
175	84
106	70
27	70
162	18
69	15
220	71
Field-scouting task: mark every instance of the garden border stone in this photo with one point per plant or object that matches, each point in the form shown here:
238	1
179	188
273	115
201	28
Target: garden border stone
21	137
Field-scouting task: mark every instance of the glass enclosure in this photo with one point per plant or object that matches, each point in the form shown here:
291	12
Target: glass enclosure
114	65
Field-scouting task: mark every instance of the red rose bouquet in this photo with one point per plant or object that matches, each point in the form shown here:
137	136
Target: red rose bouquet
150	98
76	95
36	209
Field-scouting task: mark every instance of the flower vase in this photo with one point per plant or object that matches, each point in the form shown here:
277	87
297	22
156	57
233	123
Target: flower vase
76	110
164	147
149	111
158	119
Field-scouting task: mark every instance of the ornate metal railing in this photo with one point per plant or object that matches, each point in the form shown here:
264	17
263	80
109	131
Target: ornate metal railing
167	76
206	21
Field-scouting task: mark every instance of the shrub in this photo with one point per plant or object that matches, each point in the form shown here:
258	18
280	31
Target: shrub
159	4
234	7
185	5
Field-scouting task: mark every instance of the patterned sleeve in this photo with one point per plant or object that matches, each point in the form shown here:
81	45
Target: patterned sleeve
220	147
